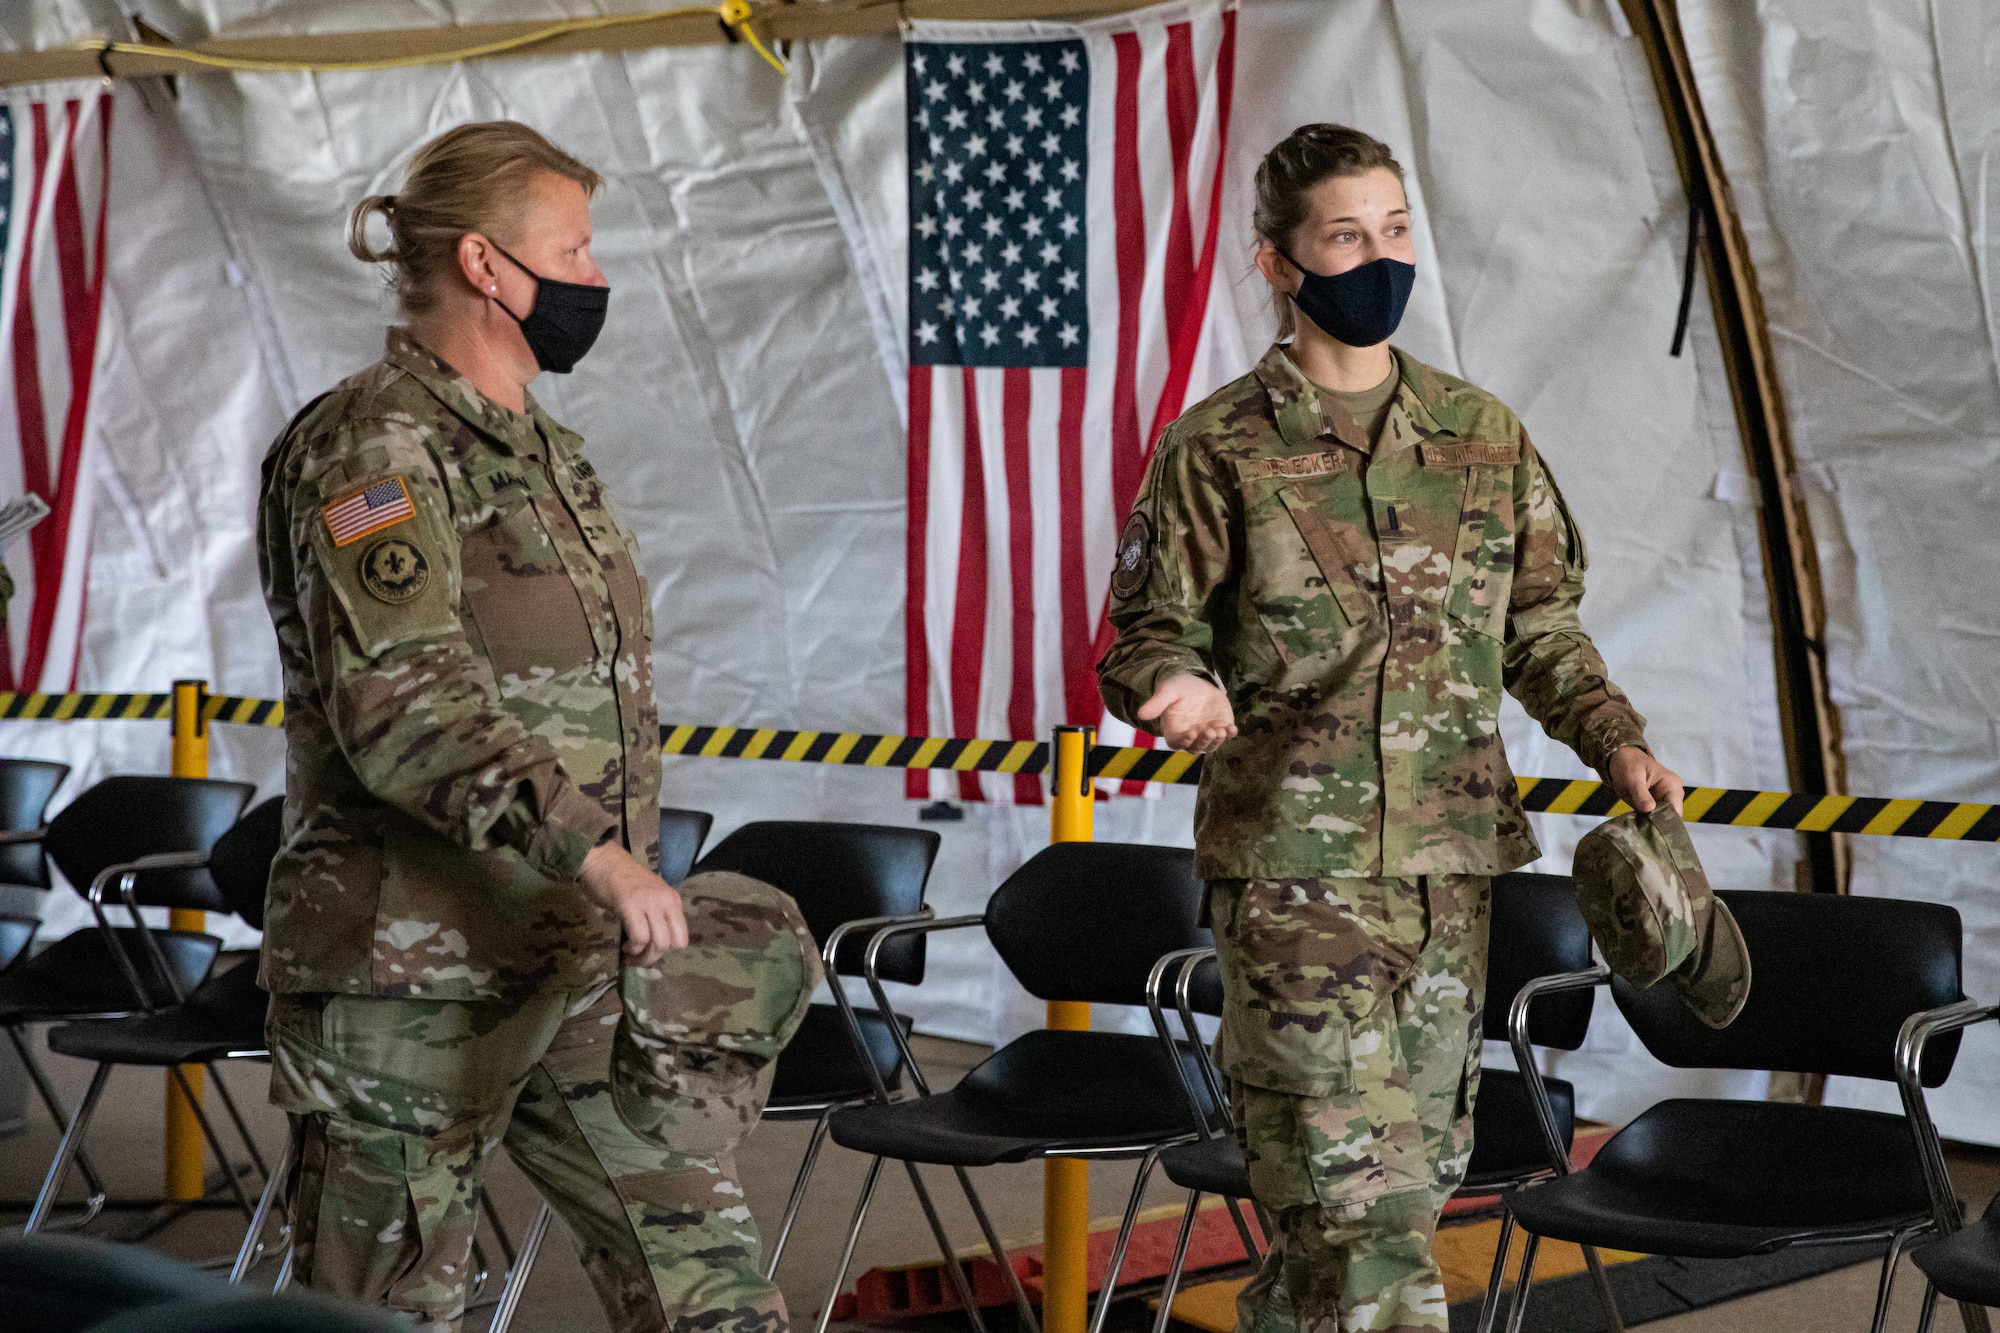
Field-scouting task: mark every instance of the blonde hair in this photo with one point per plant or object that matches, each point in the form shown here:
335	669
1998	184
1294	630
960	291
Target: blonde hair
1308	155
473	178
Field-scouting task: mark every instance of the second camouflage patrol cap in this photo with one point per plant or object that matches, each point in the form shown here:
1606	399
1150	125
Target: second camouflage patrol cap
702	1029
1642	890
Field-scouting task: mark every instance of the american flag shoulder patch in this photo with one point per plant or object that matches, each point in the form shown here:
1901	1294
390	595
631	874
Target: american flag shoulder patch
366	509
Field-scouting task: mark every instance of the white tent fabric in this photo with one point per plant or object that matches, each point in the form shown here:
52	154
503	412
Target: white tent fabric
753	237
1862	141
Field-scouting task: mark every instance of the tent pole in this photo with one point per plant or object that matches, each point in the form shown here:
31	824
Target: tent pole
1813	758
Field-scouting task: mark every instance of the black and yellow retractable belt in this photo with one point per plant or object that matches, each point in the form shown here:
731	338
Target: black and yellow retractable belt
1960	821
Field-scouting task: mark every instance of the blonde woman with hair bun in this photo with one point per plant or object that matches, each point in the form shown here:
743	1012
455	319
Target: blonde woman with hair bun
471	814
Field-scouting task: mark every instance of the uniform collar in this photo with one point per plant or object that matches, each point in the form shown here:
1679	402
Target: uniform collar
1295	400
515	430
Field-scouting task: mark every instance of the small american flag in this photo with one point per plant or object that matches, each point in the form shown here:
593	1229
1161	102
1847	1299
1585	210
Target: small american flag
367	510
1065	187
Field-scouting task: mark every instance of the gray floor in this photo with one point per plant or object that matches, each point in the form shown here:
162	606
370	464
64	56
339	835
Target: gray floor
126	1144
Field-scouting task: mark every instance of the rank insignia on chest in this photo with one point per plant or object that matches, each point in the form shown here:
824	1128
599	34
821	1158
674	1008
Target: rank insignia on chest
370	508
395	571
1135	557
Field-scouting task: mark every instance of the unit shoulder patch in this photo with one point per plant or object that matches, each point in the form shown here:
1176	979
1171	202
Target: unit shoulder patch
1135	557
367	509
395	571
1304	465
1465	455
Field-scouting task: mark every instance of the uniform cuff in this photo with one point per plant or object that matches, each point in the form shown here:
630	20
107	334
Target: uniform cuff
1614	737
573	825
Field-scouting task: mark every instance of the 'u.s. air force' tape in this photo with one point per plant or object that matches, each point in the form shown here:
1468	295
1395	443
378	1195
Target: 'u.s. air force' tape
1960	821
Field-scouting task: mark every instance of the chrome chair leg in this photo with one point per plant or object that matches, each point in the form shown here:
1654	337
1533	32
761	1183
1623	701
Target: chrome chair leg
853	1238
1886	1285
1022	1304
1250	1249
799	1184
66	1152
242	1129
47	1092
253	1247
1104	1297
1605	1297
214	1143
952	1267
1929	1311
284	1271
524	1263
1489	1309
1174	1265
1524	1283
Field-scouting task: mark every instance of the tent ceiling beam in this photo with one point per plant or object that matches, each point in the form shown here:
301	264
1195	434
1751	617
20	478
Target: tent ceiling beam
1811	724
688	26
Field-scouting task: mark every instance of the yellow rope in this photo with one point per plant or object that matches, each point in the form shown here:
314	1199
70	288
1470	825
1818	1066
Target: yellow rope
735	14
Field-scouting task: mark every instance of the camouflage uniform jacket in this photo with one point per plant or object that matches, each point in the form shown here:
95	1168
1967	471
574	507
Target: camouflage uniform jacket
466	639
1363	607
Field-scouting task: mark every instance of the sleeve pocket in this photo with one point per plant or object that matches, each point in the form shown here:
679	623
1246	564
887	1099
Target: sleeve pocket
393	586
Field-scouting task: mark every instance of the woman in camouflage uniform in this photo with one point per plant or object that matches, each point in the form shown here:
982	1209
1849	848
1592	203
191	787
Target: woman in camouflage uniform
471	814
1334	566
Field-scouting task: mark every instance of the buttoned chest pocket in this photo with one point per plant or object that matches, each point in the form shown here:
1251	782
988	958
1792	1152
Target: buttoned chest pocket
519	593
1482	565
1310	574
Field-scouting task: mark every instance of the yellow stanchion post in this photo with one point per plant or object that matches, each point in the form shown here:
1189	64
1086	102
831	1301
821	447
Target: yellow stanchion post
1066	1182
183	1132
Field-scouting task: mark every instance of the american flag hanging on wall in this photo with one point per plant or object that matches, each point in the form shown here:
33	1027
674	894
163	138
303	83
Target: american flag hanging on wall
1065	187
55	159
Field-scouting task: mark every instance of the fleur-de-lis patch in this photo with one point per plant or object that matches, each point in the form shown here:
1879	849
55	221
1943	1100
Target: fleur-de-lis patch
395	571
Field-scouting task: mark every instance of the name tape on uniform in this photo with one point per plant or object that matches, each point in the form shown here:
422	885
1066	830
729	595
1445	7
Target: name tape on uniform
1960	821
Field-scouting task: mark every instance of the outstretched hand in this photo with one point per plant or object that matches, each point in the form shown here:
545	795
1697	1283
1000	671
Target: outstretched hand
1193	712
1642	781
647	906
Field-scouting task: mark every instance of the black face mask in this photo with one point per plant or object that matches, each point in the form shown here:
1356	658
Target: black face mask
564	320
1360	307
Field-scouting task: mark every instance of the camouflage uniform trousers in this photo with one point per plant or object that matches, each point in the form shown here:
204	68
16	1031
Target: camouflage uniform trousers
1361	999
396	1105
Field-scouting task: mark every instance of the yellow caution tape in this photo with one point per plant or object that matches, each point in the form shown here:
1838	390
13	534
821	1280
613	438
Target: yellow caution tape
1961	821
135	707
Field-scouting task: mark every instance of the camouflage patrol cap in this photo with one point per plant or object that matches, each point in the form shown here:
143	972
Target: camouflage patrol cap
1642	889
702	1027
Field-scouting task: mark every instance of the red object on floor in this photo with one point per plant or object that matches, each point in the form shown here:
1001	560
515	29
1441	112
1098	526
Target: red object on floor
920	1289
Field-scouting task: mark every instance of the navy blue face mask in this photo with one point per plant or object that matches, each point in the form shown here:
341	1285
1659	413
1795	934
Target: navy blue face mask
1360	307
564	320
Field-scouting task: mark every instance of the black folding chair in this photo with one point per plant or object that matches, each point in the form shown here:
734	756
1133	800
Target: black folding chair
222	1019
1964	1262
1081	922
1537	934
129	842
1833	980
26	785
